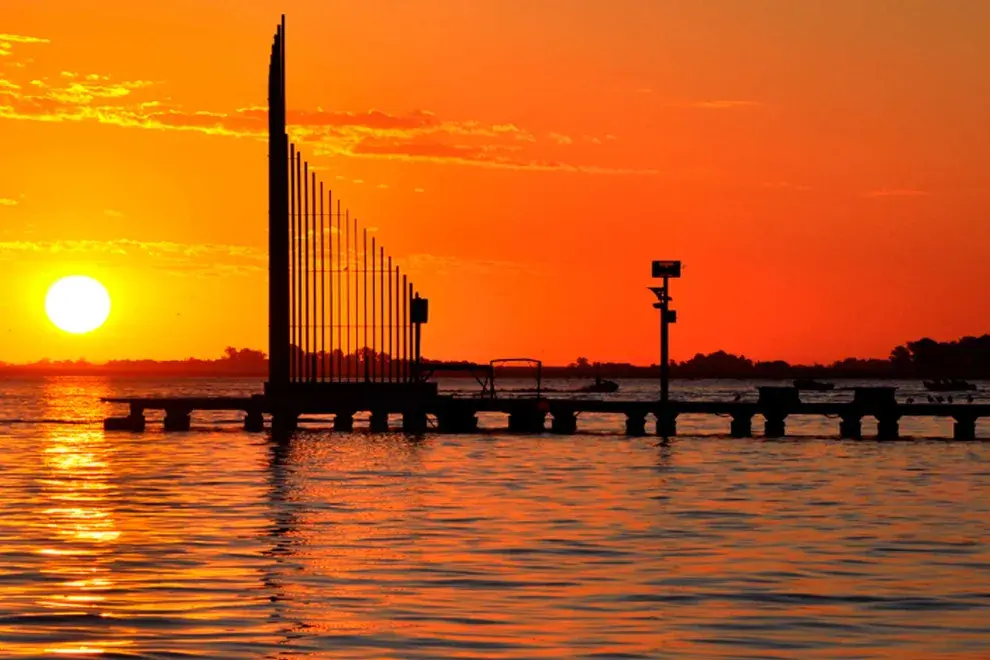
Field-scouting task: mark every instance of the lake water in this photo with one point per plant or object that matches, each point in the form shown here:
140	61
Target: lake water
219	543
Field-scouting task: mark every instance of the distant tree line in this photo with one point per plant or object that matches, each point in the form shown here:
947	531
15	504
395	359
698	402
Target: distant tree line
968	357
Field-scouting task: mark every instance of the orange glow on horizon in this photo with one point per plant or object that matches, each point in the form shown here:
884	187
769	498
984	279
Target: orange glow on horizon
824	183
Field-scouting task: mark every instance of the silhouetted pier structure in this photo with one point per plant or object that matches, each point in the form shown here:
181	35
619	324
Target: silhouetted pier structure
344	321
560	415
345	327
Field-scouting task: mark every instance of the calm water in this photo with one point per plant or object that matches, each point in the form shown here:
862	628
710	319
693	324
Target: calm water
218	543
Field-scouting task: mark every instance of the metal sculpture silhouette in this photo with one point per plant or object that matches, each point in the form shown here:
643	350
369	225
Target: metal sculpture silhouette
338	312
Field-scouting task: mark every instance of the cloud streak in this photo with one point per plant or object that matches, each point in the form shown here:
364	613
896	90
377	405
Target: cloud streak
417	136
198	259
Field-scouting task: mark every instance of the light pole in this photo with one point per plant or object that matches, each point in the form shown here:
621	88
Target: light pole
665	270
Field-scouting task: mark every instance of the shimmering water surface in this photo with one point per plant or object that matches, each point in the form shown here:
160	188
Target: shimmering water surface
219	543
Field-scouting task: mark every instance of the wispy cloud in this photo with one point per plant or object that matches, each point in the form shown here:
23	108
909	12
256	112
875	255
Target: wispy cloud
7	42
419	135
6	201
199	259
21	39
110	213
897	192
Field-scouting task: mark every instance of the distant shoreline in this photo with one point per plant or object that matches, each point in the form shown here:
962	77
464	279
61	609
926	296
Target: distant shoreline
966	358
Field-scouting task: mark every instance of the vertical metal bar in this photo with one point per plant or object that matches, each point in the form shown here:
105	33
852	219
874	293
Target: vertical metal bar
330	282
374	318
357	306
366	355
297	219
405	332
347	249
293	271
316	298
664	344
381	314
391	354
305	272
340	295
412	335
323	290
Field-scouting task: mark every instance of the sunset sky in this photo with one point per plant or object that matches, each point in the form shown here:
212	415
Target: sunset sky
821	167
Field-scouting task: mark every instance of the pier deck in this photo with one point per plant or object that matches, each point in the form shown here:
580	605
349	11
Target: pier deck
529	415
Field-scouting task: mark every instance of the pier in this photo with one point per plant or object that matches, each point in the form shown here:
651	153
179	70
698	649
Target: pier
451	414
345	332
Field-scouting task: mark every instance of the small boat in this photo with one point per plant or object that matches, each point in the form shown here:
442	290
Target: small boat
949	385
600	386
812	384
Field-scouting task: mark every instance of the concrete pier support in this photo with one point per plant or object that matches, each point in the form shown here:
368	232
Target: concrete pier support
775	426
177	419
564	422
254	421
457	420
414	421
284	422
343	421
134	422
964	428
741	426
888	427
666	424
635	423
527	420
378	422
851	427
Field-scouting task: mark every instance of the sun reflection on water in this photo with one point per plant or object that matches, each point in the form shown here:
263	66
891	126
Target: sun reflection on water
77	486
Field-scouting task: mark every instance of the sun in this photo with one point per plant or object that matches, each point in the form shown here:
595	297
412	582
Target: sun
77	304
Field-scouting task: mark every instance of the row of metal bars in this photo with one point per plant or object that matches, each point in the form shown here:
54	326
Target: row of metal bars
349	306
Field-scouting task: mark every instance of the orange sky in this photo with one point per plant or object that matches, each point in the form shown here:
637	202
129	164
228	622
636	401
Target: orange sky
821	167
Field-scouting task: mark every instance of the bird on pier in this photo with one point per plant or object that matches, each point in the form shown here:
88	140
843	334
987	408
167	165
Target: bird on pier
910	400
737	397
949	398
940	399
969	398
931	399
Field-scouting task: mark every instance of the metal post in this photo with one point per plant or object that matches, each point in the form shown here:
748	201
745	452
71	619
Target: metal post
664	343
364	303
323	290
381	313
347	251
340	295
293	266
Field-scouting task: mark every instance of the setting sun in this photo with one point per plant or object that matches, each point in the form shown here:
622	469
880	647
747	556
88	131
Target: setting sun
77	304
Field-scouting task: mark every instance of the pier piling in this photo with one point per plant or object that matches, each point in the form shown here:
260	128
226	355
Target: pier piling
775	424
414	421
178	419
254	421
635	423
741	425
888	427
343	421
851	427
666	423
564	422
378	423
964	428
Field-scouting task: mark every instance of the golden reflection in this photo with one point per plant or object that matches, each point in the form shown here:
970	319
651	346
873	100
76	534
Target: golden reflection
79	489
